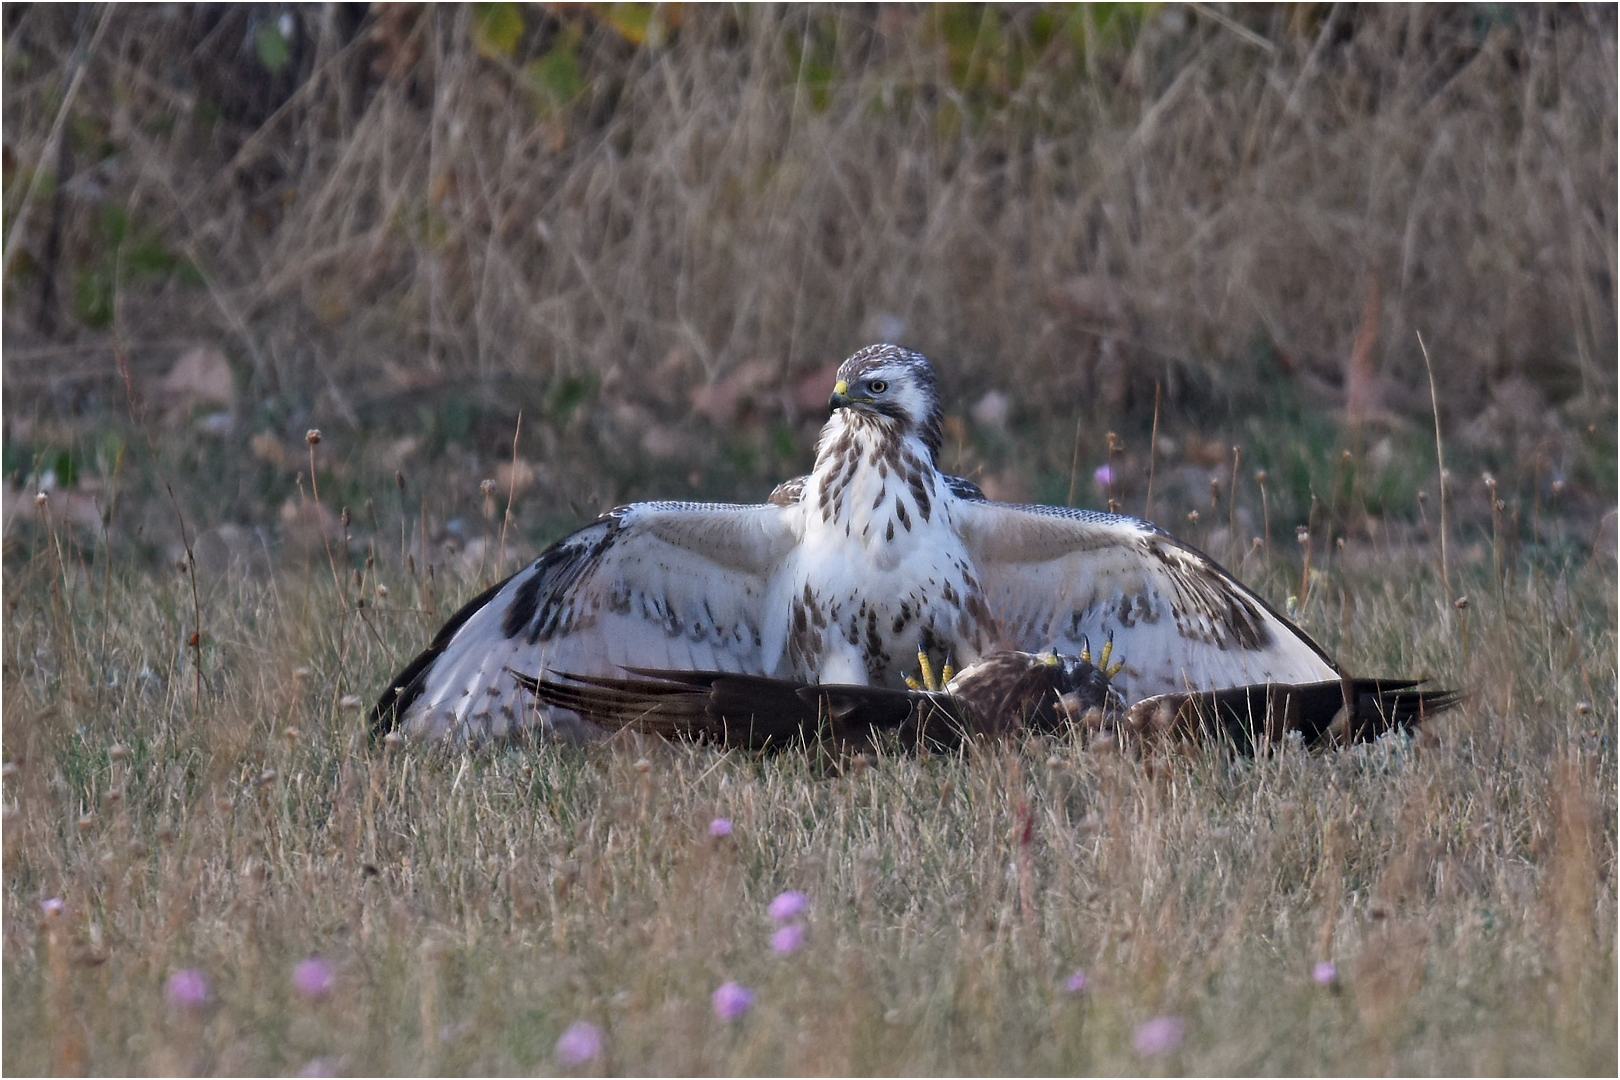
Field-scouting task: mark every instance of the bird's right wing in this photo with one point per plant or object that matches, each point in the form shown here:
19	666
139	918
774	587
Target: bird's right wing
670	585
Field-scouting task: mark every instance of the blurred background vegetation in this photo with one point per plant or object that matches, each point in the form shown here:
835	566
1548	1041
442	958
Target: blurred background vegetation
652	230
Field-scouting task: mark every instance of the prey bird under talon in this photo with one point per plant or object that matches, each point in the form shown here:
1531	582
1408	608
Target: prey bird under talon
1004	694
832	579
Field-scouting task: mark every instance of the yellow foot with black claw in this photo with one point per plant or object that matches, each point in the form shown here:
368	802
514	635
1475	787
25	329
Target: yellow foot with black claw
1102	661
925	668
1107	653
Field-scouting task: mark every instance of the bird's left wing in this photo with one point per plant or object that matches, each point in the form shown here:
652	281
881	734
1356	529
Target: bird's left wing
676	585
1058	579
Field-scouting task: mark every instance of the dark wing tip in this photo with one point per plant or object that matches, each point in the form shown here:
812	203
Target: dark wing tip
408	685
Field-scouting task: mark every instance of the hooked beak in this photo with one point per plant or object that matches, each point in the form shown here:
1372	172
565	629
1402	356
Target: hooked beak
840	396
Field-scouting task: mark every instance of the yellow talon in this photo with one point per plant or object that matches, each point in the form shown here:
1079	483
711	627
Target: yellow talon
1102	661
927	670
1085	650
946	674
912	684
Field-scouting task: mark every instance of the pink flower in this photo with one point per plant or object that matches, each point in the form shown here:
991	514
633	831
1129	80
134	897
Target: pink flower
788	905
720	827
1077	983
581	1043
313	978
187	989
1158	1036
1325	973
787	939
1103	477
732	1000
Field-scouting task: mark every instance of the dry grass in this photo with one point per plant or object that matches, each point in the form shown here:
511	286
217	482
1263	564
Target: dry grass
473	907
396	240
1066	204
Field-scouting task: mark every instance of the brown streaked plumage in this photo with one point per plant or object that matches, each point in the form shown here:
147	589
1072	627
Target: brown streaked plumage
1006	693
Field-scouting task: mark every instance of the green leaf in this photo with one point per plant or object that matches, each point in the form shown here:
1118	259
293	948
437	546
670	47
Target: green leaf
497	29
631	21
556	78
93	297
569	394
271	44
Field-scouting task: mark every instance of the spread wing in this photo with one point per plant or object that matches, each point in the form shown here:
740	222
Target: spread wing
672	585
1056	579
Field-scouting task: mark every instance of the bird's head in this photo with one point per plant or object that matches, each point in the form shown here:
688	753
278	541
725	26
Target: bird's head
892	388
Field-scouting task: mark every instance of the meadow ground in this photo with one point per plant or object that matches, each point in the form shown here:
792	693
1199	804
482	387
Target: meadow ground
234	820
1242	269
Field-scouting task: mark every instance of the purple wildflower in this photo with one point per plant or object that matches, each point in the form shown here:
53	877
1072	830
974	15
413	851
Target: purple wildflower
1325	973
187	989
1103	477
1159	1036
321	1066
581	1043
53	907
787	939
732	1000
313	978
788	905
720	827
1077	983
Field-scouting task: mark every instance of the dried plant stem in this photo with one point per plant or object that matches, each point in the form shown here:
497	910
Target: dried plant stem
310	439
1074	460
511	493
194	642
1153	450
1231	504
1440	458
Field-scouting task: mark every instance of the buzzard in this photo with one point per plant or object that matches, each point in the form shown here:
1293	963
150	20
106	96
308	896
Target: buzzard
836	579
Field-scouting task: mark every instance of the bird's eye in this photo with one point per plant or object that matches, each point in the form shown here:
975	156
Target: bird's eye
877	386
